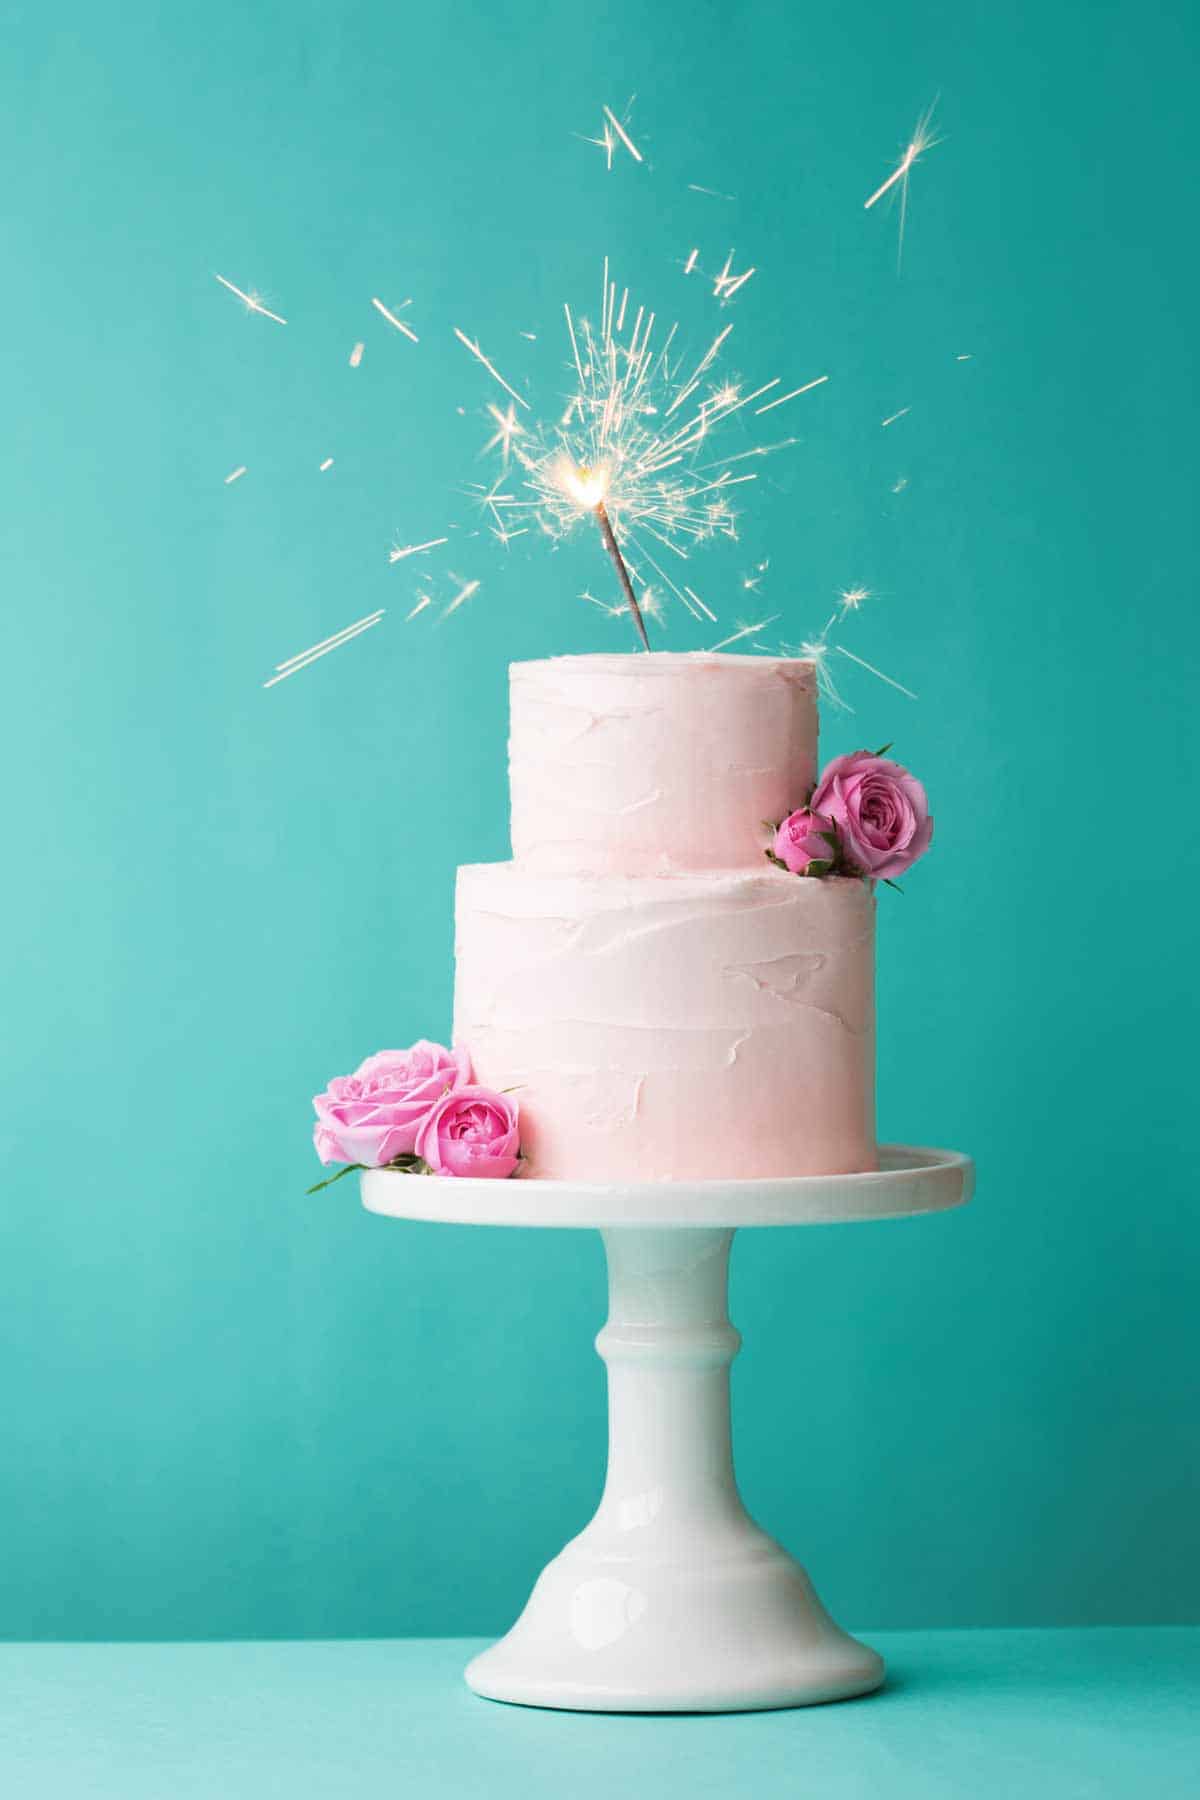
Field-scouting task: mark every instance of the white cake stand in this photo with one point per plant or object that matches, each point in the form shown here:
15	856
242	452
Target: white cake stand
672	1599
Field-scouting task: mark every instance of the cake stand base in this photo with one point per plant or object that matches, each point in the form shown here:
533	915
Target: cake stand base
672	1599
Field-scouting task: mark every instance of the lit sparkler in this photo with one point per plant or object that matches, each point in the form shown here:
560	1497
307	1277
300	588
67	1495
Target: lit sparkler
922	140
627	449
251	301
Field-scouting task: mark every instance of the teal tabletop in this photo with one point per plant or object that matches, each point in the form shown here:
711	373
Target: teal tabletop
965	1713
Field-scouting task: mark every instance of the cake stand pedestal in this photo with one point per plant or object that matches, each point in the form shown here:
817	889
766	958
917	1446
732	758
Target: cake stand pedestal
672	1599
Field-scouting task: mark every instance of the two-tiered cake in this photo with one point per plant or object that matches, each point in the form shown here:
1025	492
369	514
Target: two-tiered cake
668	1005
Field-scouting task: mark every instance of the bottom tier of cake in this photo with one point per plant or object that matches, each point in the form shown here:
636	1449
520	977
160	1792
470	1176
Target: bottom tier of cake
677	1027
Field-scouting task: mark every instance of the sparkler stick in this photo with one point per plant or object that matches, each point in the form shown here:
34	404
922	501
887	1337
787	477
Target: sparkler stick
614	550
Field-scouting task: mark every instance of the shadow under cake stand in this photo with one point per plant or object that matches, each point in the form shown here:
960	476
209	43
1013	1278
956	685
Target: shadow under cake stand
672	1599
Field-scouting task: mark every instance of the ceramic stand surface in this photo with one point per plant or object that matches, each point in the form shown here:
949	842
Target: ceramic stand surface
672	1599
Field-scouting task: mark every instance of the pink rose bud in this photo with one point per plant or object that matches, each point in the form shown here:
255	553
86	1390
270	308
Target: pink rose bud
880	811
472	1132
375	1114
799	844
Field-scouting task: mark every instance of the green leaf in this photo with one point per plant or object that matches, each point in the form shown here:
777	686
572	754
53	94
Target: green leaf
832	839
329	1181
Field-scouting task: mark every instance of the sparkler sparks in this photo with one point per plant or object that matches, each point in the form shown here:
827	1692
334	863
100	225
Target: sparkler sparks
922	140
235	474
393	320
727	283
795	393
303	658
466	589
327	464
743	631
891	419
398	552
624	136
507	428
491	368
251	301
356	355
626	449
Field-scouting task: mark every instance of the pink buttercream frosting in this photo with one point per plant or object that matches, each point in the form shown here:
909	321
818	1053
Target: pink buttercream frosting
642	765
673	1028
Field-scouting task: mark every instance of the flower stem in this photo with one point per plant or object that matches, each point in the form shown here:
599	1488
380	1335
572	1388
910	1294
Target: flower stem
613	548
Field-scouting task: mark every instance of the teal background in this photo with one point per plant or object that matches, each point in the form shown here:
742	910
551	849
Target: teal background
231	1410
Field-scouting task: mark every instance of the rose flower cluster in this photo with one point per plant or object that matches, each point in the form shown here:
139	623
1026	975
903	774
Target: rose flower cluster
866	816
418	1111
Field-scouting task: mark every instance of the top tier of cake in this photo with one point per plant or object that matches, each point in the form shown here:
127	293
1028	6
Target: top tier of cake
645	765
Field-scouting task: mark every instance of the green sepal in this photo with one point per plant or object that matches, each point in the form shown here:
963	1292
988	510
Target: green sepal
330	1179
893	884
819	866
779	864
882	752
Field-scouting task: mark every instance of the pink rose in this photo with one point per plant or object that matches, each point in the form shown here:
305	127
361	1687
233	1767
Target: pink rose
471	1132
375	1114
798	841
880	811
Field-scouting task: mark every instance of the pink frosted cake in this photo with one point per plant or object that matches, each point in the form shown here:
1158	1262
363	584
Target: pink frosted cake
669	1005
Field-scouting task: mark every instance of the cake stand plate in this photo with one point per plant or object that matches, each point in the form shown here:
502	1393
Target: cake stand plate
672	1599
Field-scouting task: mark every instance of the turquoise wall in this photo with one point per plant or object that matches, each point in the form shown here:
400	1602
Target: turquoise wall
233	1410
